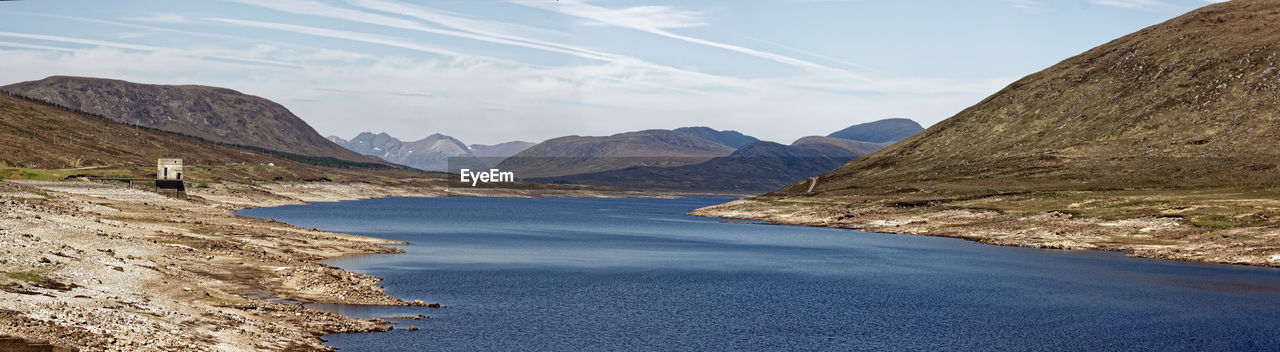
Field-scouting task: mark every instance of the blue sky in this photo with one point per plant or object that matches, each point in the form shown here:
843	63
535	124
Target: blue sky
488	71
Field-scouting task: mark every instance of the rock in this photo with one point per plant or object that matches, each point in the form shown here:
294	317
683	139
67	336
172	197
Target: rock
434	305
418	302
413	328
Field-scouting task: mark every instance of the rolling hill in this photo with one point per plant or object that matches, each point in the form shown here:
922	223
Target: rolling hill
575	154
758	166
1187	103
733	139
39	140
1162	143
216	114
500	150
880	131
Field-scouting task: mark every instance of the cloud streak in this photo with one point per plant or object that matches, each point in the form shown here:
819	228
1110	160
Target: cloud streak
193	53
1133	4
656	21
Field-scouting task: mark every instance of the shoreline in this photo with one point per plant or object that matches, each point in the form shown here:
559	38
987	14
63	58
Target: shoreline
1150	237
105	267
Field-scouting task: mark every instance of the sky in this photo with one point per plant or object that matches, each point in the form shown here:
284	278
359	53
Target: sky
490	71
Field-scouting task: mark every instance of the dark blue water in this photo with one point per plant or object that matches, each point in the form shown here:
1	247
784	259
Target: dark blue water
639	275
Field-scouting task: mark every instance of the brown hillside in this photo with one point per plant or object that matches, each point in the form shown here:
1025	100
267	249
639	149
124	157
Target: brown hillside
37	138
216	114
1163	143
1191	102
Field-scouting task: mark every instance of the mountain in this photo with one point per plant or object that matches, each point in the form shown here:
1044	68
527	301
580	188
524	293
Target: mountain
1190	102
756	167
37	139
1162	143
855	147
733	139
500	150
216	114
431	153
576	154
887	130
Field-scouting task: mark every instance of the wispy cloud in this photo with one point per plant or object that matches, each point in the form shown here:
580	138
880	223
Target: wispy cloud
287	51
447	68
630	68
341	34
657	17
1030	6
1133	4
170	18
645	20
212	55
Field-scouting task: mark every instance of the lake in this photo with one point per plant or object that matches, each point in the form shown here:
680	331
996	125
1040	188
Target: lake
571	274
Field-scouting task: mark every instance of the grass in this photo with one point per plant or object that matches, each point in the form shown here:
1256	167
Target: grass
36	279
20	173
219	302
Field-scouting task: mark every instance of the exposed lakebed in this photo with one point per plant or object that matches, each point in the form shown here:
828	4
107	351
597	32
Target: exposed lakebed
561	274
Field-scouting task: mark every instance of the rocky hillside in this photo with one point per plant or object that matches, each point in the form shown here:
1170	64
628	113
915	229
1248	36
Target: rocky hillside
733	139
575	154
216	114
1163	143
1190	102
42	141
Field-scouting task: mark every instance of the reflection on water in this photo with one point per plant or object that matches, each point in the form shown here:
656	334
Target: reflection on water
637	274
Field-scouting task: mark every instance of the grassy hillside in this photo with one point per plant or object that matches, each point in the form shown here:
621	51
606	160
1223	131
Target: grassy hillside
1181	119
216	114
42	141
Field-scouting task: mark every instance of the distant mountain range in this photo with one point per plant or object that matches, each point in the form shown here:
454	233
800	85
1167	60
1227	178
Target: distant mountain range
576	154
215	114
431	153
684	159
756	166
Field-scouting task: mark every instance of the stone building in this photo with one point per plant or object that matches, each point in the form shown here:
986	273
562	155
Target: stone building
169	177
169	169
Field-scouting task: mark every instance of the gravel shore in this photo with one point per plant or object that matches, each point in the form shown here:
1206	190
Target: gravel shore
107	267
1151	237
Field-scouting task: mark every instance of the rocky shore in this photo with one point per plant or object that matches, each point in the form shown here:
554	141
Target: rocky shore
1151	237
103	267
